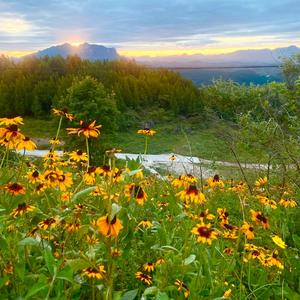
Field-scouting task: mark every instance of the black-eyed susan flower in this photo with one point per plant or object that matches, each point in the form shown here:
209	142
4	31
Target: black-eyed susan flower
228	250
115	252
54	141
146	132
89	130
182	287
205	234
63	113
149	267
12	134
248	230
159	261
287	203
11	121
34	176
192	194
72	227
137	192
109	228
112	152
144	278
172	157
227	294
278	241
97	272
259	218
66	196
89	176
262	181
22	209
215	182
48	223
145	224
91	239
230	235
266	201
78	156
64	180
15	188
26	144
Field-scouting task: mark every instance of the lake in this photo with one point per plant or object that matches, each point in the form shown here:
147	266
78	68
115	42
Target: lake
257	75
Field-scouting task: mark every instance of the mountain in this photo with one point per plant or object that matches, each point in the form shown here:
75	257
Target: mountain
84	51
241	58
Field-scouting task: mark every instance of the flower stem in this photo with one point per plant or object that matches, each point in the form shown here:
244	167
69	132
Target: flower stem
88	153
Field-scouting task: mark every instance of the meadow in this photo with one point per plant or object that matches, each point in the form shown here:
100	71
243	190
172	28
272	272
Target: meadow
71	229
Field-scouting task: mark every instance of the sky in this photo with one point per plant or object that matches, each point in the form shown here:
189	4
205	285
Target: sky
149	27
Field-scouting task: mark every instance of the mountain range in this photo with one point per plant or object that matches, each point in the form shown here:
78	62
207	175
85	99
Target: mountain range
242	58
85	51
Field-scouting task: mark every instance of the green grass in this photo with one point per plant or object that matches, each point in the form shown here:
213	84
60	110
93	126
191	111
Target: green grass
201	142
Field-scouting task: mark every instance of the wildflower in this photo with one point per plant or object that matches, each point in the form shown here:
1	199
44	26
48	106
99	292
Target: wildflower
160	261
228	251
248	230
97	272
192	194
111	153
11	134
89	130
63	113
172	157
238	188
89	177
266	201
66	196
64	181
105	170
137	192
147	132
15	189
181	286
11	121
204	233
78	156
26	144
33	176
115	252
48	223
54	141
8	268
261	182
40	188
144	278
278	241
21	209
109	228
259	218
223	216
287	203
227	294
206	215
72	227
215	182
231	235
91	239
149	267
145	224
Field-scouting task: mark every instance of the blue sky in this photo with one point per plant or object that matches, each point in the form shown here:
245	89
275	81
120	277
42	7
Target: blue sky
150	25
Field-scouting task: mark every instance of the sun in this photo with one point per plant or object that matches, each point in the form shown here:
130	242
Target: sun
76	43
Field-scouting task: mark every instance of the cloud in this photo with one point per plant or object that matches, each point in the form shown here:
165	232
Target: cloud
149	24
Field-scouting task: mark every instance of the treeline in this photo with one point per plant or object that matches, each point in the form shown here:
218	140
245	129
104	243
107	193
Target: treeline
32	86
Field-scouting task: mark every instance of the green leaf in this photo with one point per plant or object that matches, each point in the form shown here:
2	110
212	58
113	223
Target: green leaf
29	241
130	295
37	287
83	193
162	296
50	261
77	264
189	259
152	290
66	274
296	240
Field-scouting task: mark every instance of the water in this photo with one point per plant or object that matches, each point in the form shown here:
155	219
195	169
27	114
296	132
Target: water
260	75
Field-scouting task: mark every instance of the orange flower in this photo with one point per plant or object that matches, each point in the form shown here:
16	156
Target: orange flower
15	188
89	130
109	228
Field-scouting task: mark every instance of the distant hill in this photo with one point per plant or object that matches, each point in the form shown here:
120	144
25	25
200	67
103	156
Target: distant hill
85	51
263	57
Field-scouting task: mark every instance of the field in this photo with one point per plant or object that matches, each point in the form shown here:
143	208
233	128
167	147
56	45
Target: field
72	230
